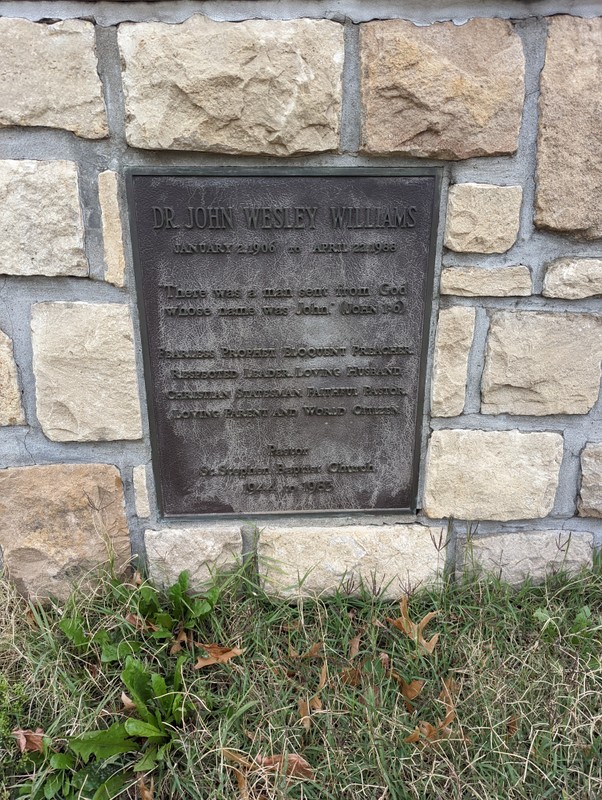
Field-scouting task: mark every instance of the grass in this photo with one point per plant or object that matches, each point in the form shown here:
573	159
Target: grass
523	702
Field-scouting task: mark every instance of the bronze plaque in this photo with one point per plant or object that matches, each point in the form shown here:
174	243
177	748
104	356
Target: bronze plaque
284	319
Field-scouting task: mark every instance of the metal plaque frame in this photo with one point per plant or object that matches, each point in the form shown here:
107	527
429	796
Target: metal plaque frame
276	171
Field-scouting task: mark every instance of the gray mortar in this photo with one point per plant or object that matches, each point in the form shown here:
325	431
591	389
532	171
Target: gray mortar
422	12
21	446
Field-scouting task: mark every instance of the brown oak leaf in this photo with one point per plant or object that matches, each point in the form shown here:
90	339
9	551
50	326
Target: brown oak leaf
29	741
415	630
217	655
291	764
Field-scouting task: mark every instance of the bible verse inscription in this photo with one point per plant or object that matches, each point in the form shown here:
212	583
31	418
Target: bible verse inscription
283	319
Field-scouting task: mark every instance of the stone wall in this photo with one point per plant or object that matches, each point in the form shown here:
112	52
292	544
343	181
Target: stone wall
503	95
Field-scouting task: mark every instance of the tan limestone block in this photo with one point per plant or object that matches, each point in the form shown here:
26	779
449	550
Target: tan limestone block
590	497
542	363
200	550
141	492
455	330
85	372
259	86
573	278
486	282
443	90
517	556
59	523
112	233
41	226
569	148
11	408
50	78
482	218
497	475
318	560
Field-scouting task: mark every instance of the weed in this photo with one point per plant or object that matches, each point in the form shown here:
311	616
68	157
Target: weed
233	694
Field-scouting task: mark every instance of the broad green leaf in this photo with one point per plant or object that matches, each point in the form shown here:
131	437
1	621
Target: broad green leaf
165	620
137	679
102	744
62	761
148	601
177	676
109	788
101	637
177	595
73	629
163	633
160	692
582	620
118	652
52	786
147	762
135	727
200	608
212	596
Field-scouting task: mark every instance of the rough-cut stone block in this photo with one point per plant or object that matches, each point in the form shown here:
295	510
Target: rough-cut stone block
11	409
58	523
455	331
141	492
85	372
49	77
498	475
590	498
573	278
569	150
542	363
112	233
312	561
41	227
260	86
520	555
443	90
484	282
482	218
201	551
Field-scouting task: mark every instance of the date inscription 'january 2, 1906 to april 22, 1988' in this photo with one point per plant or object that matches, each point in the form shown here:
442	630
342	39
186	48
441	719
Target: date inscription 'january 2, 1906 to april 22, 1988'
284	316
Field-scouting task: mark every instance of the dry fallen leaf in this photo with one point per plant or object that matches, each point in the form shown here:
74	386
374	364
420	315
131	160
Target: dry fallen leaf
352	676
354	646
217	655
426	733
410	691
128	704
512	726
183	638
384	660
292	764
304	713
29	741
314	651
243	786
414	630
323	677
146	792
236	758
139	623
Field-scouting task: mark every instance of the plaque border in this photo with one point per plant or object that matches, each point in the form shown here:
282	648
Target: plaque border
278	171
